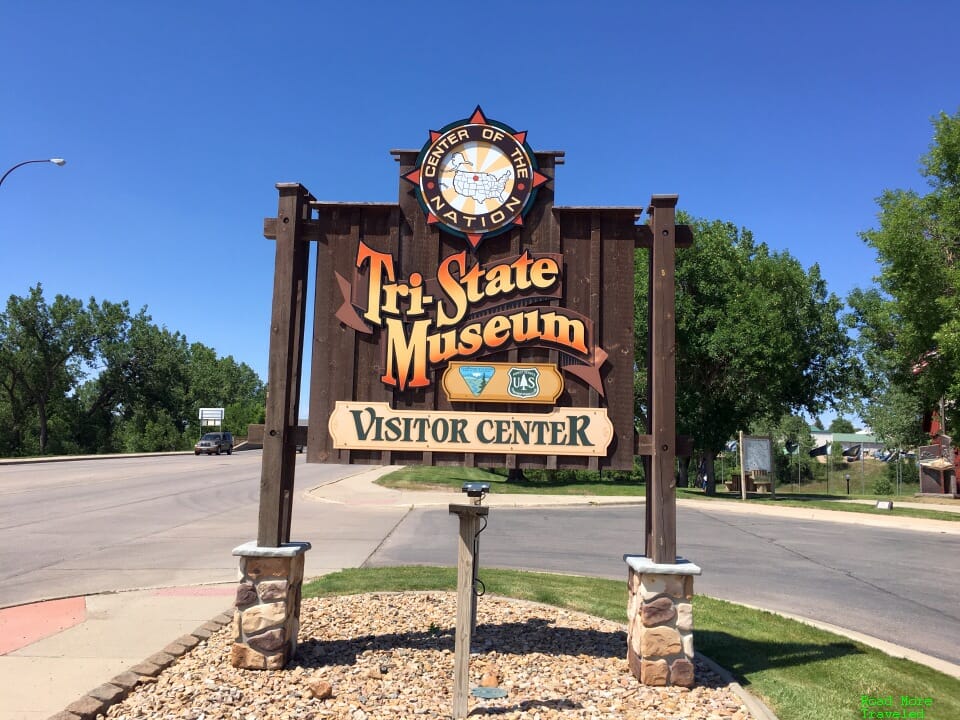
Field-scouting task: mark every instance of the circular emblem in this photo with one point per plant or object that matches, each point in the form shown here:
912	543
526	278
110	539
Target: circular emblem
476	178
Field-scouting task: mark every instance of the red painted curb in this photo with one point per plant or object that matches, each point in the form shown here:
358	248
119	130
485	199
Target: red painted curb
25	624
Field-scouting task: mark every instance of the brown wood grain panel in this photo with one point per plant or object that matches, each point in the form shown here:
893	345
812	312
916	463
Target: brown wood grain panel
575	246
418	251
617	247
322	395
596	244
333	357
378	229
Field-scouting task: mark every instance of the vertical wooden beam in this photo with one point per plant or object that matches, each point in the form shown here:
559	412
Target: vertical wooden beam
662	500
469	519
285	363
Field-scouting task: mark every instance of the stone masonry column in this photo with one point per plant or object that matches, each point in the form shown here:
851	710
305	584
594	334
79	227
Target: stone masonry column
267	616
660	621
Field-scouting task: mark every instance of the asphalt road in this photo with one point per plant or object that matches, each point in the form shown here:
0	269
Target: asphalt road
899	585
95	526
91	526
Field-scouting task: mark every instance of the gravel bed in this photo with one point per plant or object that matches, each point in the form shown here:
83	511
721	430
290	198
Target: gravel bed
390	655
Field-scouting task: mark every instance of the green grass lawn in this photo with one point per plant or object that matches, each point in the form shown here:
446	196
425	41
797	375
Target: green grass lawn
822	502
799	671
452	477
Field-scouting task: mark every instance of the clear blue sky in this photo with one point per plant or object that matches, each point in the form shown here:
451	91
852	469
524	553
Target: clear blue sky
177	119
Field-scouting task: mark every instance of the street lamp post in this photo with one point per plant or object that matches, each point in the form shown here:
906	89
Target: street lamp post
56	161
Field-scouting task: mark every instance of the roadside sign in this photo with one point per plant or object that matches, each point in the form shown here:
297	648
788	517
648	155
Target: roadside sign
211	414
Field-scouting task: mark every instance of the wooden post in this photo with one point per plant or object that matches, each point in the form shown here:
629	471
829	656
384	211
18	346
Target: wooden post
469	516
284	368
661	540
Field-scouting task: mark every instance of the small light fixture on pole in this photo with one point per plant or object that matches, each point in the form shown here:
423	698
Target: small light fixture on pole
60	162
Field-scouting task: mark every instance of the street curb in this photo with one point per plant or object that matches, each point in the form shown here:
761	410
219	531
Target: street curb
887	648
77	458
755	705
101	698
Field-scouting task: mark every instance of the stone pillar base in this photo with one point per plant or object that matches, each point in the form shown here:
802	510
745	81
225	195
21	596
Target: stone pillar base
660	621
267	616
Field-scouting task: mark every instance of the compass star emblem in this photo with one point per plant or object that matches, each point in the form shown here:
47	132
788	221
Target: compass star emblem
476	178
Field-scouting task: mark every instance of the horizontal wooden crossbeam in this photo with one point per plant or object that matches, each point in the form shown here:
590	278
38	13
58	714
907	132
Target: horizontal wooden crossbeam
312	229
255	434
645	236
645	446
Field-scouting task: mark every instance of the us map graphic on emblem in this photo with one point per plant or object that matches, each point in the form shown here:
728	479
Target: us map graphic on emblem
476	178
474	183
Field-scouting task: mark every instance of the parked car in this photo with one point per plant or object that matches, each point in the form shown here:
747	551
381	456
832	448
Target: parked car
214	442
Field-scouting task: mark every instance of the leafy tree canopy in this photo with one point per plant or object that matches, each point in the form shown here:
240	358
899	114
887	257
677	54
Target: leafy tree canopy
909	324
841	425
758	336
93	377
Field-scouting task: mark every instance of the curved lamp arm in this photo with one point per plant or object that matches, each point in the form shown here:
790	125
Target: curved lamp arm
56	161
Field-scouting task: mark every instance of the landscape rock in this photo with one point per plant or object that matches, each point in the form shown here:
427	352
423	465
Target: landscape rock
660	641
390	656
246	595
657	611
320	689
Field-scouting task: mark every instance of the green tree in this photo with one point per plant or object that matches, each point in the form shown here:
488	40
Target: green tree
841	425
143	382
223	382
757	337
895	416
45	348
836	456
96	378
909	324
797	442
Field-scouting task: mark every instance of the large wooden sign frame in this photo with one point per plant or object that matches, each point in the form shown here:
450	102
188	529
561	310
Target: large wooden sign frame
593	248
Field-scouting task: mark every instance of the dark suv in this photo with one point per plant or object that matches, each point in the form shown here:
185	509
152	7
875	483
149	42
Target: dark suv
215	442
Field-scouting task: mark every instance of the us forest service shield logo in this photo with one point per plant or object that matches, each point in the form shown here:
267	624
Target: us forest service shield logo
524	382
476	178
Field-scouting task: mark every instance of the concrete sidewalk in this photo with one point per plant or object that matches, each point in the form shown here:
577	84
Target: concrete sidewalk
56	654
56	651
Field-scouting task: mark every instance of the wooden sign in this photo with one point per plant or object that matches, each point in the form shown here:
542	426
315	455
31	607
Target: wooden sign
473	266
376	426
502	382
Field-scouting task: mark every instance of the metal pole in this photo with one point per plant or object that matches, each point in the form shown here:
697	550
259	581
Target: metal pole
743	473
863	490
60	162
798	465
